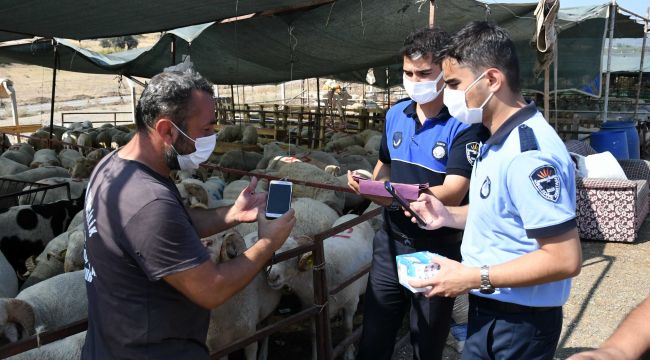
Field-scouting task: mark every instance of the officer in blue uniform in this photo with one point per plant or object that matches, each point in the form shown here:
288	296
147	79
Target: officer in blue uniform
421	143
521	245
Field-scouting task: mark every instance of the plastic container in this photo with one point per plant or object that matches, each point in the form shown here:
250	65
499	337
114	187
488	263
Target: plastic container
614	141
634	149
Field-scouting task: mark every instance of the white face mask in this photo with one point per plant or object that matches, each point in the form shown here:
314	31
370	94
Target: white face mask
422	92
204	147
456	102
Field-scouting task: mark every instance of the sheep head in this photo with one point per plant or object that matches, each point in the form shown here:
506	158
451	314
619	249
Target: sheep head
281	273
16	319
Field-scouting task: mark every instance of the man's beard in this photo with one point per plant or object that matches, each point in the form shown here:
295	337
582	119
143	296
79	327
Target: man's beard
171	156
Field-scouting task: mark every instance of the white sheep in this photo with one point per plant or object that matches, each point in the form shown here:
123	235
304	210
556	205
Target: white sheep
48	263
197	193
77	189
45	306
307	172
10	167
45	157
20	153
238	317
8	279
234	188
68	158
74	252
373	143
312	217
43	172
345	254
68	348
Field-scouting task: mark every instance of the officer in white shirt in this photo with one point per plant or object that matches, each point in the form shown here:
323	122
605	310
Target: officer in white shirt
521	246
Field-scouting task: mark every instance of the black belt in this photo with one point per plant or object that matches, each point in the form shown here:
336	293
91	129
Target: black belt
506	307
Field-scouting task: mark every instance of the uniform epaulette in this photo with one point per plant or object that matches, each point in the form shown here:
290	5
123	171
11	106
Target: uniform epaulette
527	139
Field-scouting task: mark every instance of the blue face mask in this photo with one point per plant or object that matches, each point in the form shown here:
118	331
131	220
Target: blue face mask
204	148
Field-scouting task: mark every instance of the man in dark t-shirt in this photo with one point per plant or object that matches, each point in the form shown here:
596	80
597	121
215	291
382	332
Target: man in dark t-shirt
149	280
421	143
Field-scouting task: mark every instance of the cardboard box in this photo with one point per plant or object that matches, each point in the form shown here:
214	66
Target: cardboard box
419	265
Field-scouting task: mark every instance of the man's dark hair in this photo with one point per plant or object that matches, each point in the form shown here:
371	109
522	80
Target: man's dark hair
169	94
426	41
480	45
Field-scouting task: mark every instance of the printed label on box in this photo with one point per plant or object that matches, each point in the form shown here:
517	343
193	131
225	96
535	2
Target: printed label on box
419	265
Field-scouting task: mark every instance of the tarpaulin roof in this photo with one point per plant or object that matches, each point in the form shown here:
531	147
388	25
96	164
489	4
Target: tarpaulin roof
344	38
92	19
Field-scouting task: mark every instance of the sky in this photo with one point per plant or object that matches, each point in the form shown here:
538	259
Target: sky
638	6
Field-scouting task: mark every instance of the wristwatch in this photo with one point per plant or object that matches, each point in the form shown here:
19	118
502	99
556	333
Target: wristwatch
486	285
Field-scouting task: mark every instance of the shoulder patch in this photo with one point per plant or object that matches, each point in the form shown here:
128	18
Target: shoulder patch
471	152
397	139
527	139
546	181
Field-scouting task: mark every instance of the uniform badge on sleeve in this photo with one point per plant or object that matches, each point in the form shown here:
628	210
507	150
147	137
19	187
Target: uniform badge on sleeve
546	182
397	139
471	152
439	151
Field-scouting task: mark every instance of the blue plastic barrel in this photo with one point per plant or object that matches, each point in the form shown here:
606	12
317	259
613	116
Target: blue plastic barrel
632	135
614	141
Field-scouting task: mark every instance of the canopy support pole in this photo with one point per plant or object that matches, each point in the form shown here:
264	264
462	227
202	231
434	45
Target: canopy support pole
320	121
612	20
56	65
173	49
432	13
638	85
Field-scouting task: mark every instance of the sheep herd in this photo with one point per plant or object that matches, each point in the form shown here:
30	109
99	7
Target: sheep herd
42	241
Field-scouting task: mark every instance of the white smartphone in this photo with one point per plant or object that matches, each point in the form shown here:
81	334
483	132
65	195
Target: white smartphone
278	200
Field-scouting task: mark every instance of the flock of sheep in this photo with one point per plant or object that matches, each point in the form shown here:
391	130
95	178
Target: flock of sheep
42	246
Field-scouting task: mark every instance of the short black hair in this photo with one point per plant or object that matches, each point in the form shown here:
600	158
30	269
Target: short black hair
481	45
426	41
169	94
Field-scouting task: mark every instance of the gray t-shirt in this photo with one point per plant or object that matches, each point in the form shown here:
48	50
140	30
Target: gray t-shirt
137	231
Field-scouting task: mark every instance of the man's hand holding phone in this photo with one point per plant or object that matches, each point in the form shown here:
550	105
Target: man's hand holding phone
432	213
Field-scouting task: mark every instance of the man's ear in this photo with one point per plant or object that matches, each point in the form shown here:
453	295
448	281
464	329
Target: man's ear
496	79
163	128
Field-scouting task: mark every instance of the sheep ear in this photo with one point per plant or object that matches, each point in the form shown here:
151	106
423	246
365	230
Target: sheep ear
21	312
306	261
303	240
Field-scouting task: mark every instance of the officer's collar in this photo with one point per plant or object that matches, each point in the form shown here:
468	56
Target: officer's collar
513	121
411	111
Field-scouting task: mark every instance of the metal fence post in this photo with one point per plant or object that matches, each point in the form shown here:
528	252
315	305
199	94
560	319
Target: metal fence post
323	331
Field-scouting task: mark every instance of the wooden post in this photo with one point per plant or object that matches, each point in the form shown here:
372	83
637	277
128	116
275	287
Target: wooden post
247	114
262	116
323	331
285	118
432	13
300	115
363	119
56	65
232	103
317	117
276	116
612	18
638	88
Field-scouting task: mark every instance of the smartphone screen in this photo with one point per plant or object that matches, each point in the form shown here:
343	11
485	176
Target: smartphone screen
279	198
